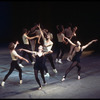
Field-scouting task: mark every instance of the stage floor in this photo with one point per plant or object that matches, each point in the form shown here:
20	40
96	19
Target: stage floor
87	87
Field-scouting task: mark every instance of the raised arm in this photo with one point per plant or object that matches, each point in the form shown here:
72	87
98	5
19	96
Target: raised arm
16	44
62	28
41	31
70	41
34	27
85	46
57	27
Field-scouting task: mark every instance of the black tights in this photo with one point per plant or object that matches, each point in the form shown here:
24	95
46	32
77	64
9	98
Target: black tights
14	65
42	75
60	49
72	66
50	58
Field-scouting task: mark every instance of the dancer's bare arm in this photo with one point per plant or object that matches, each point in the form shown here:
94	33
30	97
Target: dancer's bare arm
85	46
70	41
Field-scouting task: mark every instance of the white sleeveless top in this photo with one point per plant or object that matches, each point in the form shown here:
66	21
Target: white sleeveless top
25	40
14	55
48	48
60	37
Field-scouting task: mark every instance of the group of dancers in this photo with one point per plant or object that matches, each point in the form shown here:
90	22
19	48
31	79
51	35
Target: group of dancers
41	49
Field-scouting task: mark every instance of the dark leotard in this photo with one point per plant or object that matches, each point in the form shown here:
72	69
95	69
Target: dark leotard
77	56
40	63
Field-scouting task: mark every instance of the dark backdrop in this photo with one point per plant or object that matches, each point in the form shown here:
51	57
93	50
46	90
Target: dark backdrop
15	15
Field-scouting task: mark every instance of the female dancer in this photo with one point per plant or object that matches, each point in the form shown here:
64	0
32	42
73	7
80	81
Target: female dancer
76	59
47	47
39	64
14	63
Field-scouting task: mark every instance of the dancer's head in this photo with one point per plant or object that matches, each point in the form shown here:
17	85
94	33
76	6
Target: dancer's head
78	43
60	29
49	36
75	28
24	30
11	46
40	47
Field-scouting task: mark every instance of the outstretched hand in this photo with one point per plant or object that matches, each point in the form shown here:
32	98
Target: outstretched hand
95	40
20	50
27	61
17	42
38	25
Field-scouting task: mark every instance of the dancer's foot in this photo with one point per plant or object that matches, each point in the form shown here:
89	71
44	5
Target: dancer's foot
40	88
79	77
45	83
55	70
68	59
21	82
63	78
3	83
33	63
60	61
47	75
21	65
56	60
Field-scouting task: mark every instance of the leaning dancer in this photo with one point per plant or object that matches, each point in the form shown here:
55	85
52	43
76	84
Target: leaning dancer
47	47
14	63
76	58
39	63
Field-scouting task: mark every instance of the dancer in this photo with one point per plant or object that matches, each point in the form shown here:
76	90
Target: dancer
39	63
73	38
26	45
39	40
47	47
61	44
14	63
76	59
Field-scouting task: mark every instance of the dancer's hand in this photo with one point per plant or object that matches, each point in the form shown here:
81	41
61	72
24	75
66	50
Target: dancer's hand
38	25
20	50
50	51
26	60
95	40
17	42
